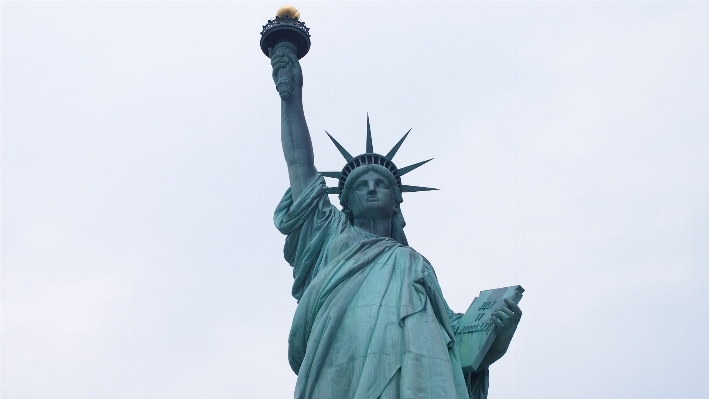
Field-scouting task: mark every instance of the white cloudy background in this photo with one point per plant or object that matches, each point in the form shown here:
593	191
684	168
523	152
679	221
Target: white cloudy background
141	164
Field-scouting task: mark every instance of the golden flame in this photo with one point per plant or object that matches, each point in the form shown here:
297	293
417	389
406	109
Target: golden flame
288	11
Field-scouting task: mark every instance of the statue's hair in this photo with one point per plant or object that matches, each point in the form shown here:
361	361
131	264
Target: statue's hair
397	220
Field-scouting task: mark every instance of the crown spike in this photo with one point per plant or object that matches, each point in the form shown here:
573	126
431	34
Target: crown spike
342	150
333	190
412	189
409	168
393	151
370	148
334	175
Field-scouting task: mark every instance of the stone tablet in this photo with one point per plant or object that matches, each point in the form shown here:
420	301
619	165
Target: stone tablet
475	329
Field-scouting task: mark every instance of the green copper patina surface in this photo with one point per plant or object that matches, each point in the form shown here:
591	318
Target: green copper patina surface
371	320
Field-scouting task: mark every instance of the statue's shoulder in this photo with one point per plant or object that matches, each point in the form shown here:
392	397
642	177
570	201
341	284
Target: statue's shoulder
405	249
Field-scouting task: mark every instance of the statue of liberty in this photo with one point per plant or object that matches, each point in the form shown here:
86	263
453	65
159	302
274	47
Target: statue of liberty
371	320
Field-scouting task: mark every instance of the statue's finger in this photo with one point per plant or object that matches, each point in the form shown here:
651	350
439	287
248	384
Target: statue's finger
513	306
279	65
497	322
517	311
506	311
293	59
501	314
279	60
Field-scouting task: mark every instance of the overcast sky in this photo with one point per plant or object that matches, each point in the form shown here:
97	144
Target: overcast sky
141	165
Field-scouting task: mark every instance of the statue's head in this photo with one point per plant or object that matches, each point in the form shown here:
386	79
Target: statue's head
371	192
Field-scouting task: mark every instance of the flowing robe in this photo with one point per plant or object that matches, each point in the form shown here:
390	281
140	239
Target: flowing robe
371	320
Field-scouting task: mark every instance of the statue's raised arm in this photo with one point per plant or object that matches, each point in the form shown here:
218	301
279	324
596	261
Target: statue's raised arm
295	137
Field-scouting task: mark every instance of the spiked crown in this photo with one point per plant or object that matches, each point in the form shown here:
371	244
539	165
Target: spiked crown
372	158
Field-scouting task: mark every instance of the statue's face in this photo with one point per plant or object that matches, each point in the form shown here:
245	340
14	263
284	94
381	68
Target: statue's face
372	197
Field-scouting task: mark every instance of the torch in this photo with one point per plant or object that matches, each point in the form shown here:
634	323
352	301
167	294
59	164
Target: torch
286	31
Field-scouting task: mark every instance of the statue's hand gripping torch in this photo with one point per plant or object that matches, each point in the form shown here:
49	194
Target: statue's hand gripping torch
282	64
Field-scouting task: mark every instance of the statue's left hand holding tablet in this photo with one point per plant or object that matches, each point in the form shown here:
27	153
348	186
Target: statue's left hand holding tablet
506	320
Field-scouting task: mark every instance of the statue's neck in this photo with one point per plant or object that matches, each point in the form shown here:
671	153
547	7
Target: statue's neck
379	227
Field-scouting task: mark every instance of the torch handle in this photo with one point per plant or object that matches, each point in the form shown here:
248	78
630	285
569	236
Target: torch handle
284	82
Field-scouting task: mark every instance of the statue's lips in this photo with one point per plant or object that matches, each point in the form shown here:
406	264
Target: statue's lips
372	198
